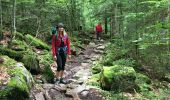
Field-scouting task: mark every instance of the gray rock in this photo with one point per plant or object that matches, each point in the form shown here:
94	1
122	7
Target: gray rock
84	93
100	47
98	51
39	96
84	64
48	86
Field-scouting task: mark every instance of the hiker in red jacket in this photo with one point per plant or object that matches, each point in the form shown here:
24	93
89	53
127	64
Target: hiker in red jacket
98	31
60	50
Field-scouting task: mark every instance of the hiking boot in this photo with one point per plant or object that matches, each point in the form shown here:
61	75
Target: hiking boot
56	81
62	81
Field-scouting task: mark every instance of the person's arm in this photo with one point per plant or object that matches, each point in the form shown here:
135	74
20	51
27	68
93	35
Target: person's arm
69	50
54	45
101	29
68	46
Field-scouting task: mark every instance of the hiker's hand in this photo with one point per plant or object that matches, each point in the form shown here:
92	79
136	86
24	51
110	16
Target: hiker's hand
69	57
55	58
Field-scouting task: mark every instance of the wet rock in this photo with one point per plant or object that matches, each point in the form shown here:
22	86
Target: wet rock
83	74
39	96
59	88
100	47
48	86
84	94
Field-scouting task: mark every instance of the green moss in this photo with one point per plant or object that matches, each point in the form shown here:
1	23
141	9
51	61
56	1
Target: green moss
113	53
18	45
17	55
48	74
8	62
125	62
46	58
116	71
20	81
94	80
118	78
141	78
31	62
36	42
96	67
111	95
19	36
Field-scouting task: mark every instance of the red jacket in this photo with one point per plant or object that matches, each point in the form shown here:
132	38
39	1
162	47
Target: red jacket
56	42
98	28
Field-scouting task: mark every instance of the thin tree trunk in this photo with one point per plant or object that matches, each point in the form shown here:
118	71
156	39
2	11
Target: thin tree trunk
136	36
14	17
1	13
111	26
116	18
105	25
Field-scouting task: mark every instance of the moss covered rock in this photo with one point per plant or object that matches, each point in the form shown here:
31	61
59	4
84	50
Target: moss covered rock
17	55
45	61
96	67
31	62
18	45
18	83
118	78
36	42
94	80
48	75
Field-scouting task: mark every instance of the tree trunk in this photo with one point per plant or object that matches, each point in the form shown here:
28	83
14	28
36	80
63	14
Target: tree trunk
14	17
105	25
1	14
136	36
115	18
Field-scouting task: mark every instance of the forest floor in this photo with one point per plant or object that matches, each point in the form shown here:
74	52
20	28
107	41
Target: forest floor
76	74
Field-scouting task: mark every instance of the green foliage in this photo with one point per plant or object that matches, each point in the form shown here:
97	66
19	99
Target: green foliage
118	78
36	42
94	80
31	62
111	95
17	55
19	36
113	53
48	74
125	62
96	67
18	45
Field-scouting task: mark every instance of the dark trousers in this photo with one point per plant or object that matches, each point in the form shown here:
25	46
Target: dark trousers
61	61
98	35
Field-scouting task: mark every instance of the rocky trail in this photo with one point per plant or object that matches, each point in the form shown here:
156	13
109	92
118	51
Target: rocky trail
76	74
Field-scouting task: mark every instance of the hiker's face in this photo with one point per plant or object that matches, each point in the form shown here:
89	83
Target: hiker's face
61	29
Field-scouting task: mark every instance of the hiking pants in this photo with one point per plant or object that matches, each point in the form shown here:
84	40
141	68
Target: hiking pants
61	61
98	35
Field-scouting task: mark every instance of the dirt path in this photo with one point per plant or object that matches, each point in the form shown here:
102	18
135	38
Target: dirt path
77	72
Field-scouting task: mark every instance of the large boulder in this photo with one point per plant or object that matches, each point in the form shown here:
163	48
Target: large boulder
96	67
31	62
15	80
118	78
